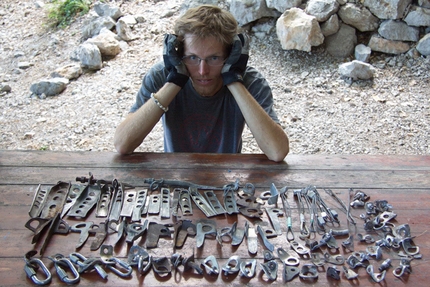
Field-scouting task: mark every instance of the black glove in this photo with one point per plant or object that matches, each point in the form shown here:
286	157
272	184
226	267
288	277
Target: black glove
235	65
178	73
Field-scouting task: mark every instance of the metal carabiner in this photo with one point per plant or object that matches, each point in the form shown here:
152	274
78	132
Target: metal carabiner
87	264
144	264
304	231
59	262
123	264
32	264
211	265
138	256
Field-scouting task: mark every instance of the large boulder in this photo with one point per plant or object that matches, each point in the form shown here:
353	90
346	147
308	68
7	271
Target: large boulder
357	70
387	9
342	43
383	45
418	16
95	25
398	31
108	10
247	11
424	45
90	56
107	43
298	30
49	87
322	9
71	71
282	5
358	17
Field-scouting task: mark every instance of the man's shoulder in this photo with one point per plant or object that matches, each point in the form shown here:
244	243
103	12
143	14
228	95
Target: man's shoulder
253	76
251	72
156	74
157	68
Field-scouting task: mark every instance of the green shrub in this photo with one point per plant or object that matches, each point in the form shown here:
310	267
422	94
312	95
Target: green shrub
63	12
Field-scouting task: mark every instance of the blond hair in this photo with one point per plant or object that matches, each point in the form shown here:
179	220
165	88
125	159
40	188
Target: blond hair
207	21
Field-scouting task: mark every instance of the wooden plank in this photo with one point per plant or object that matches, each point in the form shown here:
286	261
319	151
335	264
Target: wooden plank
260	177
11	271
213	161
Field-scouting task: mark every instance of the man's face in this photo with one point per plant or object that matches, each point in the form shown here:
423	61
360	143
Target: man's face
206	79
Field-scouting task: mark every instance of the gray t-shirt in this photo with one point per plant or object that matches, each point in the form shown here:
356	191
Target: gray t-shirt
204	124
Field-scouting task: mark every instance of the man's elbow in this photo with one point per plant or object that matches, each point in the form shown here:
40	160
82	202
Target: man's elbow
280	154
122	151
122	148
278	157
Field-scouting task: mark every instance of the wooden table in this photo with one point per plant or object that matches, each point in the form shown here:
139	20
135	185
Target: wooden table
402	180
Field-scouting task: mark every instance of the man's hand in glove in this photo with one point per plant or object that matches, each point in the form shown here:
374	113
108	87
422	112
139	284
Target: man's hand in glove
178	73
235	65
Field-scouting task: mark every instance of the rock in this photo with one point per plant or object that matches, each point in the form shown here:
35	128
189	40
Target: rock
387	9
49	87
107	44
107	10
424	45
130	20
297	30
413	53
95	25
124	31
262	30
90	56
322	9
247	11
357	70
29	135
5	88
282	5
418	16
380	44
398	31
342	43
362	53
39	4
330	26
18	54
72	71
140	18
107	31
424	3
24	65
358	17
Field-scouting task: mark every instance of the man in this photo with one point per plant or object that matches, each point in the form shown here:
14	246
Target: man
205	92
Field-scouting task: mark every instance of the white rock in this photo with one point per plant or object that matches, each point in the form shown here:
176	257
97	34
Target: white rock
297	30
357	70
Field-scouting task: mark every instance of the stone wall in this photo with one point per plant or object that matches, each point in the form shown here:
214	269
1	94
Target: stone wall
394	26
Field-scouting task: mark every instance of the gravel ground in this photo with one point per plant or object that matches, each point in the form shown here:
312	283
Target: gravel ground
321	112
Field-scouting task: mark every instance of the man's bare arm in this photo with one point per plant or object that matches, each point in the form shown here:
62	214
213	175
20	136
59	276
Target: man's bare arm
270	136
136	126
